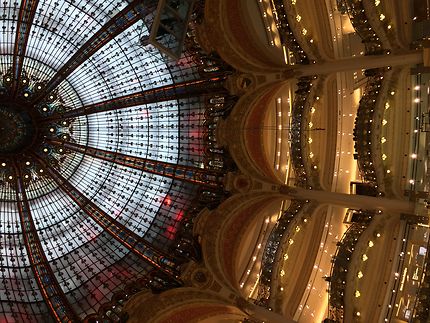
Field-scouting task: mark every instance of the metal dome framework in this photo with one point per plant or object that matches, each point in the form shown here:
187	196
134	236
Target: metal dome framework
119	152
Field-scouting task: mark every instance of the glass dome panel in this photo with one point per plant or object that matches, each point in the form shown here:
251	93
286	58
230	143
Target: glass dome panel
77	227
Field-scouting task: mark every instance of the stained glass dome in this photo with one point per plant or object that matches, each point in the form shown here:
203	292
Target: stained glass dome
105	146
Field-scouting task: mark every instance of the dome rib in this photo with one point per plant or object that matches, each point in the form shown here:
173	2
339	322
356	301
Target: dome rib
25	18
174	91
190	174
50	289
115	26
126	237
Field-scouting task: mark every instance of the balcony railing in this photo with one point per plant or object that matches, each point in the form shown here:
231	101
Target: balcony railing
286	34
362	26
341	262
364	125
272	249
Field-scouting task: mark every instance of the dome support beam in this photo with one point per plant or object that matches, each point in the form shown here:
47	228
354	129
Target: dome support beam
115	26
117	230
51	291
184	173
25	19
177	91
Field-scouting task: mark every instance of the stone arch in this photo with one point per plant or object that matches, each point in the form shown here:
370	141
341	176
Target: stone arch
249	132
235	30
228	233
181	305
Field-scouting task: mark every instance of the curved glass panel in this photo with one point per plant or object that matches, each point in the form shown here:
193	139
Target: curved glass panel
76	223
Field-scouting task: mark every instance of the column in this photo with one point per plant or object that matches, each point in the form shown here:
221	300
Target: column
349	200
357	63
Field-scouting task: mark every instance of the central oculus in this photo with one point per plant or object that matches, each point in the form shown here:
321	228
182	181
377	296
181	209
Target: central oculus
17	130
